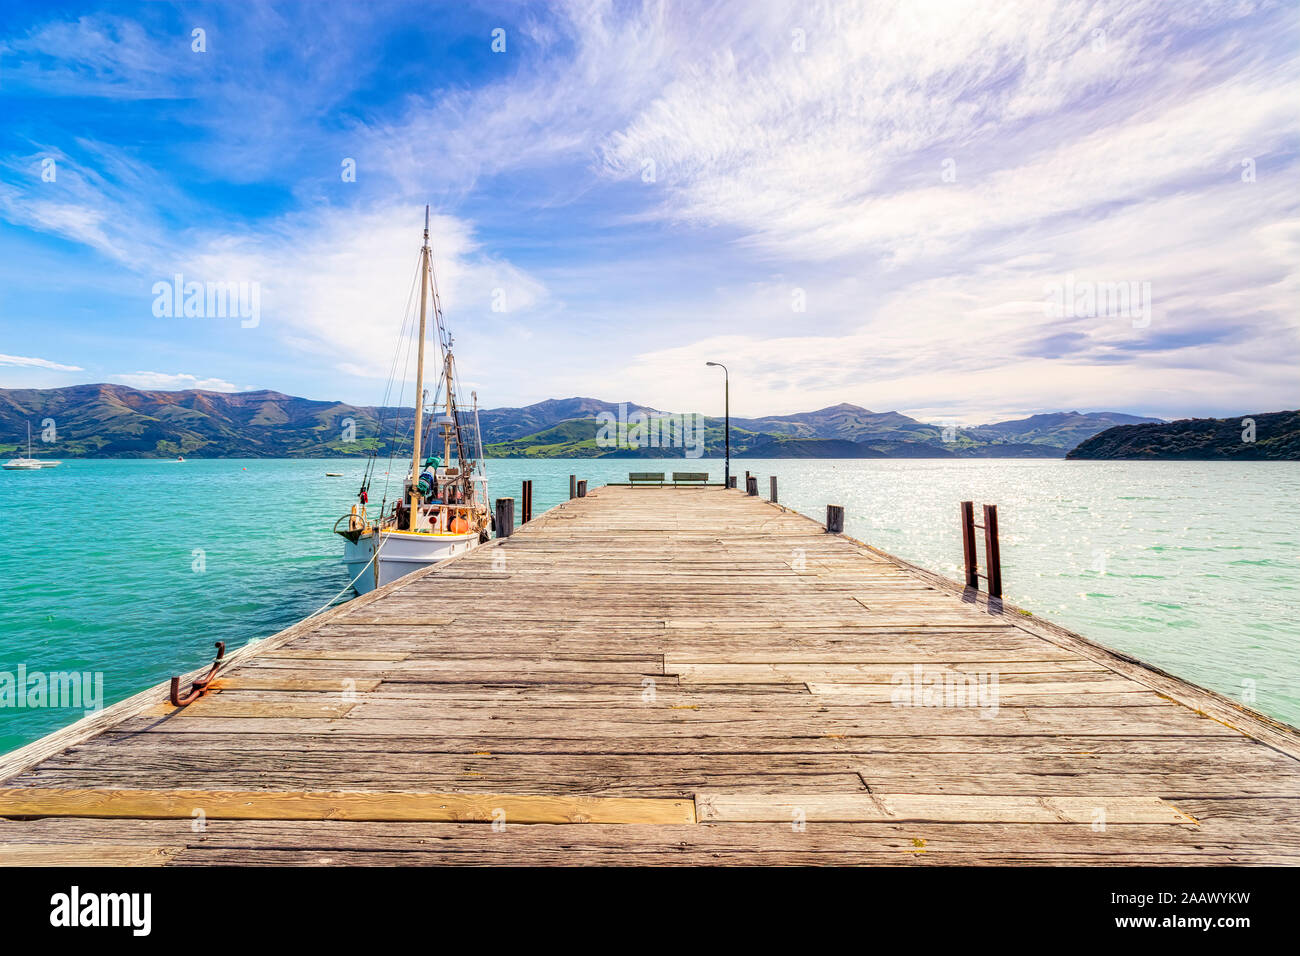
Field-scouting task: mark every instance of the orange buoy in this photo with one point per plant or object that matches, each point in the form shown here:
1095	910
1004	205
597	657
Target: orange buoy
459	526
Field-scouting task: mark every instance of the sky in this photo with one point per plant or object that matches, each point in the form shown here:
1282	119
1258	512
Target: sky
963	211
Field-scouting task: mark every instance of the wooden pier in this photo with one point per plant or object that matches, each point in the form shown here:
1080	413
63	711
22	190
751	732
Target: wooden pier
685	675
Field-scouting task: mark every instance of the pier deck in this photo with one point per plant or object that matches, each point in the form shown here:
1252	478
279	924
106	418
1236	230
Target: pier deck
658	676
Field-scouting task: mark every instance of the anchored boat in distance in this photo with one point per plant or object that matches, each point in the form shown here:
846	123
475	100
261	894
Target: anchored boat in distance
442	510
29	463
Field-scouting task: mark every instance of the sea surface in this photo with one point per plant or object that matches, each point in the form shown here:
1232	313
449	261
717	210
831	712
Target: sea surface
131	569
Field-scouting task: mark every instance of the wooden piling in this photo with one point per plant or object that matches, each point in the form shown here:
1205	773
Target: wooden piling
751	486
835	519
968	543
992	551
526	502
573	487
505	517
772	486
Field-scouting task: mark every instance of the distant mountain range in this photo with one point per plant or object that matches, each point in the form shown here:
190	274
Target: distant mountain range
1266	436
116	421
840	431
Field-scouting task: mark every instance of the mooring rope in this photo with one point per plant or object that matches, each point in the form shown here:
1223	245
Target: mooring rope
347	587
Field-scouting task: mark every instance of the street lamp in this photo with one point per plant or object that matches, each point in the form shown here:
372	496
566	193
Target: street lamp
726	391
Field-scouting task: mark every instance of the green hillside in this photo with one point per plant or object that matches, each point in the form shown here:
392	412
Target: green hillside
1276	437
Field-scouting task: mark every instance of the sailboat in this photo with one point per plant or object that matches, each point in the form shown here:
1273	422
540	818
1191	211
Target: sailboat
29	463
442	511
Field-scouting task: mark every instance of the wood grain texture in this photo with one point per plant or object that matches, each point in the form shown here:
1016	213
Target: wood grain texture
341	805
934	808
92	854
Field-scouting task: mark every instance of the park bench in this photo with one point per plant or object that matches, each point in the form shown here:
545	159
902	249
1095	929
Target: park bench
645	478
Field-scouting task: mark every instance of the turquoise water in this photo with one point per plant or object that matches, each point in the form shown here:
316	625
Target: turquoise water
133	569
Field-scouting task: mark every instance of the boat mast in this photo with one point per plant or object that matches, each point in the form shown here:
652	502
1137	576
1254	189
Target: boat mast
447	428
419	375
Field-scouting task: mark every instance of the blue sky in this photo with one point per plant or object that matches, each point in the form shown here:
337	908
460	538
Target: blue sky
862	202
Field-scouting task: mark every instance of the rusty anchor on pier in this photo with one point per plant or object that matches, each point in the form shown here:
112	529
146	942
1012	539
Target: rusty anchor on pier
199	687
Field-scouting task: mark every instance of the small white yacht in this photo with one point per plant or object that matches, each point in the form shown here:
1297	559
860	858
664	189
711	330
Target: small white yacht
29	463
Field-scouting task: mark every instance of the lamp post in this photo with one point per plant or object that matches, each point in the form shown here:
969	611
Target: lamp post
726	392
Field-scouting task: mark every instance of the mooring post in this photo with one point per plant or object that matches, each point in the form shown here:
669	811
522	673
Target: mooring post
573	486
751	486
505	517
968	543
526	503
772	484
834	519
992	552
582	488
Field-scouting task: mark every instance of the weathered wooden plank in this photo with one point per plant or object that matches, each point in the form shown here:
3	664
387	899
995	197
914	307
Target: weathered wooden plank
313	654
328	685
934	808
685	856
880	672
469	839
1224	760
999	690
1155	747
220	705
657	775
513	723
341	805
36	854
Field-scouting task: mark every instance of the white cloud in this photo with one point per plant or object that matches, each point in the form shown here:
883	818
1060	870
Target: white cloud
339	283
174	381
1113	156
23	361
97	56
839	150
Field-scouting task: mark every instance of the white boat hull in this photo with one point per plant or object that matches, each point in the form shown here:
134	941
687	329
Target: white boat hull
400	553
